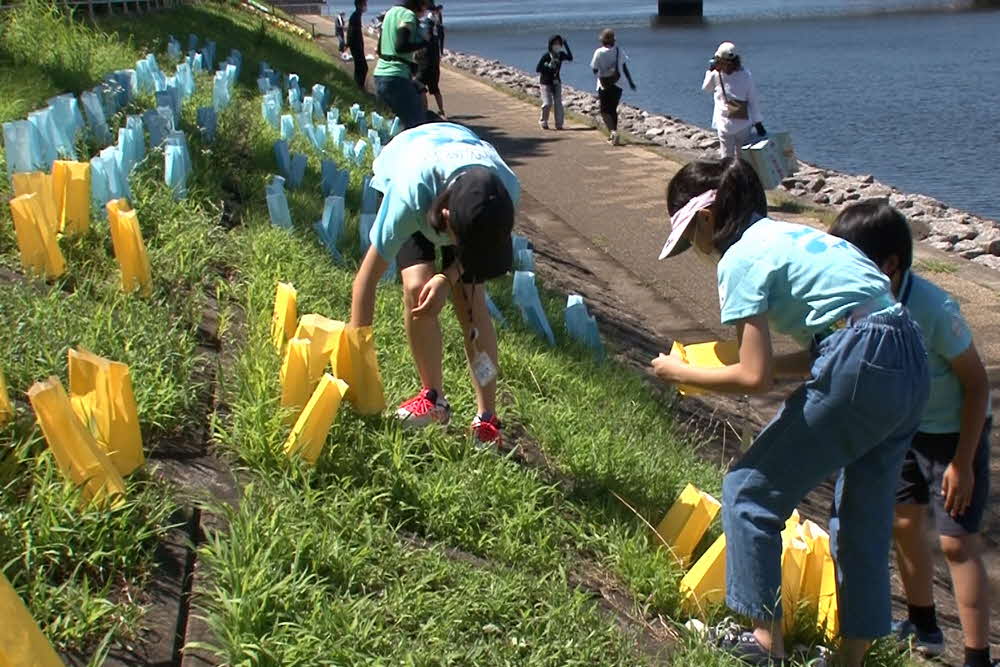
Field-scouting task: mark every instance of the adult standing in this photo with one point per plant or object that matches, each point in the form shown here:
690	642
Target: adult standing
549	82
446	188
429	60
356	42
397	43
339	28
609	63
737	110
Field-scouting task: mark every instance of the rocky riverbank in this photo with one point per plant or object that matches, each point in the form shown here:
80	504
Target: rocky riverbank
933	221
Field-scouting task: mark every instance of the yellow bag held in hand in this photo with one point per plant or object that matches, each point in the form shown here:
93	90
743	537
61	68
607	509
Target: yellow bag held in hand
311	428
285	316
686	522
78	455
40	253
358	366
6	409
324	336
130	250
71	188
705	583
715	354
102	397
295	386
818	542
38	183
22	644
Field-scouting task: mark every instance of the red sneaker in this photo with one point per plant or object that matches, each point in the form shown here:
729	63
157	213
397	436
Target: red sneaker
425	408
487	431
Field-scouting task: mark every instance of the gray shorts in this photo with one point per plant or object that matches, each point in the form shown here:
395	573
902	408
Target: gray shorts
923	472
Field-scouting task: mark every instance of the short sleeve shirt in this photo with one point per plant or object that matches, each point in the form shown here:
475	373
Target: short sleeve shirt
946	335
802	278
399	65
413	168
606	60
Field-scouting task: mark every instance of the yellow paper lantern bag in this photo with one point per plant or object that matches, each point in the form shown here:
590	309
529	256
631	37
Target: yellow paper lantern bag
40	253
71	189
358	366
22	644
794	554
38	183
130	250
78	455
285	316
828	618
705	583
6	409
295	386
311	428
818	542
324	336
714	354
686	522
102	398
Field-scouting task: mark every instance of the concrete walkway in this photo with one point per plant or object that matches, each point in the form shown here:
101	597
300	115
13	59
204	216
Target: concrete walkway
597	215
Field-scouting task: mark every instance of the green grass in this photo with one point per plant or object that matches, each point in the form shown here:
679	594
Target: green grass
397	546
929	265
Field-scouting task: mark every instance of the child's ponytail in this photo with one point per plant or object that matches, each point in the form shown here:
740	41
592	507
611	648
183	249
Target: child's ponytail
739	201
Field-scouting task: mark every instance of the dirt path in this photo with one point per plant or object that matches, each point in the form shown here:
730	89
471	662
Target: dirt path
597	217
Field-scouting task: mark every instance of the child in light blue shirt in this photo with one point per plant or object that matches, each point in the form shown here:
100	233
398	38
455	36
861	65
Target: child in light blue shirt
948	465
863	348
445	192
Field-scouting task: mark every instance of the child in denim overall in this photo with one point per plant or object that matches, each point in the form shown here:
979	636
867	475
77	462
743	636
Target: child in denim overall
948	465
865	389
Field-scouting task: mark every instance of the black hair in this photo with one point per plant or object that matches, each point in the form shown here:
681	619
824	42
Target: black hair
739	202
553	38
415	5
878	230
358	3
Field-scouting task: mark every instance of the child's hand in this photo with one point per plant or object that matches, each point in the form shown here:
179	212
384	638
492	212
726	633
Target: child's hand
956	487
433	297
668	367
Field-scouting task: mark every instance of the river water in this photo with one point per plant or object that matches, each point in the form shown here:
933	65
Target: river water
907	90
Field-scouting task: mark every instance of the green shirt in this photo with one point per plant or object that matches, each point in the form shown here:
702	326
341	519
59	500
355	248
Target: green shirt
396	18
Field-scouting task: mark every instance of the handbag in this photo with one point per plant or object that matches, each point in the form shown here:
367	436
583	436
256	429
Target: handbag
612	79
739	109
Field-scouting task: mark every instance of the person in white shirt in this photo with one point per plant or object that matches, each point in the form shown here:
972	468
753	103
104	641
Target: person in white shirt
737	110
609	63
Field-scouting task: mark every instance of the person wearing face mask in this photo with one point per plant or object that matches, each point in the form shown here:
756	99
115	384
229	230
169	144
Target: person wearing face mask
860	347
737	109
549	82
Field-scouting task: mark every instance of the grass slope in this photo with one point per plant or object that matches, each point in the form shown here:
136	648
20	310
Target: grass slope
397	547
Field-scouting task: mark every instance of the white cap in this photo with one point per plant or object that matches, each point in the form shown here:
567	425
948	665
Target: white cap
726	51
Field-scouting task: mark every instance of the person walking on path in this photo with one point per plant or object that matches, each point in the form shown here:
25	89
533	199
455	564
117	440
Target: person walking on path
429	61
549	82
356	42
339	29
861	347
397	43
444	188
948	464
609	63
736	107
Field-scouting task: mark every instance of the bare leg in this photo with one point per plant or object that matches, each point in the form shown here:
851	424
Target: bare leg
424	333
972	588
769	635
913	555
440	102
852	652
486	342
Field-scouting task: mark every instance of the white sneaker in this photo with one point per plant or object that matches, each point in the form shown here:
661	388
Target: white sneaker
615	139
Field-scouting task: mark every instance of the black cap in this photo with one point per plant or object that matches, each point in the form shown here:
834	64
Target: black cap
482	216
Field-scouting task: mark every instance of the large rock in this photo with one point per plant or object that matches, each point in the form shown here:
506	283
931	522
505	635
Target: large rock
991	261
919	229
952	230
969	249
